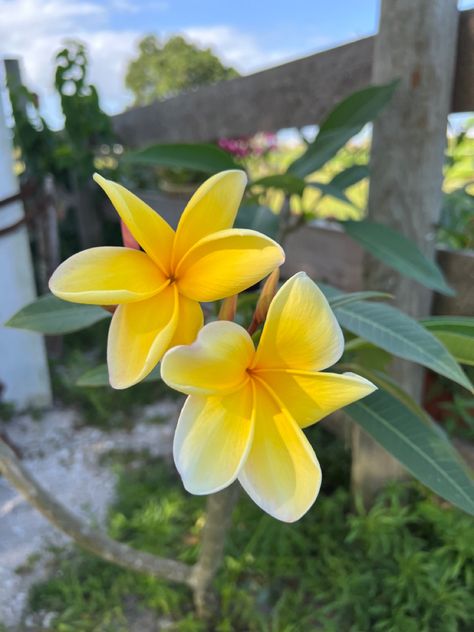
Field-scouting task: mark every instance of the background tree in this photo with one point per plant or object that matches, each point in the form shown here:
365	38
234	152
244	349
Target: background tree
164	69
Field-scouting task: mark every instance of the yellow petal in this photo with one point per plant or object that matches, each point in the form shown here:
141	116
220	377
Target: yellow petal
151	231
107	276
213	207
301	331
215	363
190	321
281	473
212	440
309	397
227	263
139	335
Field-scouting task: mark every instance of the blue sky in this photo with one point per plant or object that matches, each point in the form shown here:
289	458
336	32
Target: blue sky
249	34
299	25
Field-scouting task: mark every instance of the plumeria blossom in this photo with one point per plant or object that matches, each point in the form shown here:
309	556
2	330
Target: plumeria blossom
246	408
158	289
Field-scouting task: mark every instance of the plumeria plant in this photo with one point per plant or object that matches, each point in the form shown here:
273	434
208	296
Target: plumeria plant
254	378
246	405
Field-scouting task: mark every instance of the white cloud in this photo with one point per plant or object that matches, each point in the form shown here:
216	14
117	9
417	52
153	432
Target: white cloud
235	48
34	30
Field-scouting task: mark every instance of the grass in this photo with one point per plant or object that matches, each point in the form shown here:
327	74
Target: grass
404	565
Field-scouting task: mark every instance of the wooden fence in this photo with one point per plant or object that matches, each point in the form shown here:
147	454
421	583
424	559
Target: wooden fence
295	94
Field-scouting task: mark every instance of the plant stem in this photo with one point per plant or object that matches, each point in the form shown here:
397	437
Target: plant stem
218	522
87	537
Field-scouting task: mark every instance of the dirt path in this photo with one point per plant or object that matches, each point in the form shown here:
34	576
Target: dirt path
65	459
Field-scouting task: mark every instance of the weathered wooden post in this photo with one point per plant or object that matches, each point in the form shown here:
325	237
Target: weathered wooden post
24	375
417	44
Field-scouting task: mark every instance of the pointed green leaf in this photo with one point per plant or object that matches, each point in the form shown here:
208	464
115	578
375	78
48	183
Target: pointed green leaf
346	119
99	376
456	333
331	190
198	156
353	297
424	451
392	330
52	316
350	176
389	385
286	182
463	325
398	252
259	218
460	346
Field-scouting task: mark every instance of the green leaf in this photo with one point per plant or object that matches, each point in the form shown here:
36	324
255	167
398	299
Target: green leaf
460	346
197	156
388	384
345	120
350	176
99	376
418	446
329	189
392	330
353	297
286	182
52	316
398	252
259	218
463	325
456	333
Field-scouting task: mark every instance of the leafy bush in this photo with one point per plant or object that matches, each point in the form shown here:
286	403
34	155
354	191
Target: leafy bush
403	565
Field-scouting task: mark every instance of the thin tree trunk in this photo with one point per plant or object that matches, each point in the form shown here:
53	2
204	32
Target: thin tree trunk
218	522
417	44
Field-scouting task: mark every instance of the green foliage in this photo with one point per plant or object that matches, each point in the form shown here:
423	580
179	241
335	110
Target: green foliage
162	70
101	406
456	333
40	147
99	376
398	252
456	226
198	157
396	332
419	446
345	121
403	565
50	315
258	217
354	297
85	124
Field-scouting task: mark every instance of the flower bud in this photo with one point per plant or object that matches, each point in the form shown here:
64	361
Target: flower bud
228	308
128	239
266	295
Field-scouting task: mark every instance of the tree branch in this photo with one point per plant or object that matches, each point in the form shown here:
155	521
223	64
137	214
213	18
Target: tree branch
87	537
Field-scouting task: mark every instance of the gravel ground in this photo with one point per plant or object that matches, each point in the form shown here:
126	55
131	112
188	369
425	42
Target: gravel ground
65	459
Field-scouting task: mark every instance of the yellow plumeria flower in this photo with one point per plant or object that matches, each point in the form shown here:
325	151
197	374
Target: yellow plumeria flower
158	290
247	406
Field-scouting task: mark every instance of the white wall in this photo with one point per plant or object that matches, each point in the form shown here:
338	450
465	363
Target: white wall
23	365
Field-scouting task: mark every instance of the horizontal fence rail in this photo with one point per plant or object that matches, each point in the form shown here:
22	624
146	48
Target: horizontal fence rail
295	94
